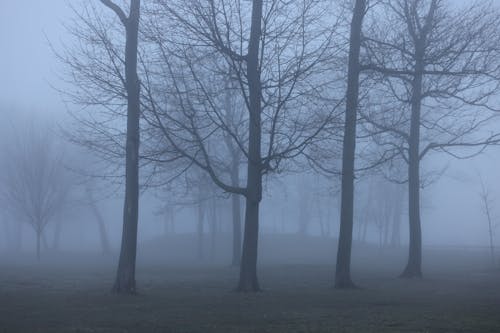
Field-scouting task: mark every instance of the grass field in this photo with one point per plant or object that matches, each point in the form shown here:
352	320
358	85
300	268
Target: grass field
455	296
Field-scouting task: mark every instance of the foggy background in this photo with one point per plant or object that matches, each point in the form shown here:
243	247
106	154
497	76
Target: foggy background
451	207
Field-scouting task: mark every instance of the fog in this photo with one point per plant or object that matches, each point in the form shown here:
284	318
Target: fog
64	130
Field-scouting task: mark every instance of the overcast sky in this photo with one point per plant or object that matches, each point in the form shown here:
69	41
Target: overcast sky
27	63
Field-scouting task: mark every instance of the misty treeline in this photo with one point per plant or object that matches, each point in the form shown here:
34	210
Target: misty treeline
45	184
206	101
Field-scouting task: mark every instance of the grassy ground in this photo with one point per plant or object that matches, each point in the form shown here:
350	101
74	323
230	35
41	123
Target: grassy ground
75	297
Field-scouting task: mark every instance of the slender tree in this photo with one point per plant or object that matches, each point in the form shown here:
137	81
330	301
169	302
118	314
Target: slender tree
486	201
125	277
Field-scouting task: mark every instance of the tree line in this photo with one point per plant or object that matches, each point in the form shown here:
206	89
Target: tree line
236	92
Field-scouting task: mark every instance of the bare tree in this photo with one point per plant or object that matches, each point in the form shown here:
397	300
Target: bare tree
486	201
125	277
275	73
343	267
436	71
35	183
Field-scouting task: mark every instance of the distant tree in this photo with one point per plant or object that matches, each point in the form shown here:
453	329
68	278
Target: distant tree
435	71
35	184
487	203
103	233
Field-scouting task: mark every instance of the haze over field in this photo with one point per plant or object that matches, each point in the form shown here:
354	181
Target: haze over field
298	148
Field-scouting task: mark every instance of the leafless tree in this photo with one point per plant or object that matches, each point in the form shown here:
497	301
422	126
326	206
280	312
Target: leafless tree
35	183
125	277
274	74
435	72
343	267
486	202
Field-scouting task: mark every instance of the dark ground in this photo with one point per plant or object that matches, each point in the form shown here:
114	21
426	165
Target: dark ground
459	294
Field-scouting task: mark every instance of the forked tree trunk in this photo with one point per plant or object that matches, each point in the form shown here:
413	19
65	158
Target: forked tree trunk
125	276
343	268
248	269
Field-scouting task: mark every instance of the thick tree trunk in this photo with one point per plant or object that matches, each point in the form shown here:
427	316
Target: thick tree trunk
125	277
343	268
248	269
413	268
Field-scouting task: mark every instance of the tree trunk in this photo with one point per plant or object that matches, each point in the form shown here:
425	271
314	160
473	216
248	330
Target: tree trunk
213	226
125	277
103	234
413	268
236	215
18	236
396	221
248	269
57	235
38	243
343	268
492	247
45	243
304	215
200	229
171	216
365	229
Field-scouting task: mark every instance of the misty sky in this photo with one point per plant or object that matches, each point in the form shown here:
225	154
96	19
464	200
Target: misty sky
28	67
